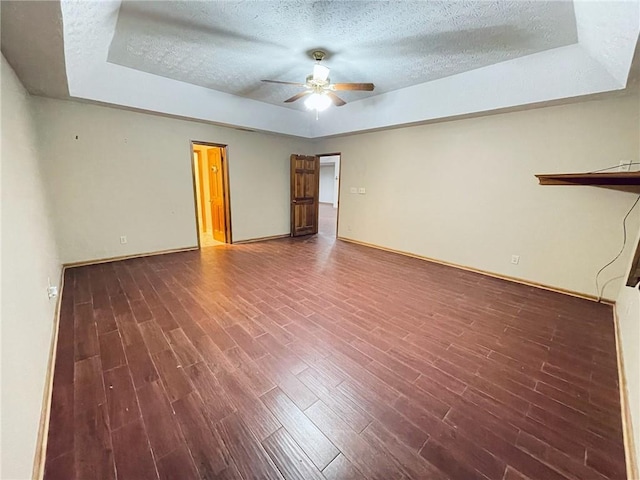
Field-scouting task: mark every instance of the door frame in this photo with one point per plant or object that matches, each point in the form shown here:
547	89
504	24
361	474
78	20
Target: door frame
228	234
201	211
339	181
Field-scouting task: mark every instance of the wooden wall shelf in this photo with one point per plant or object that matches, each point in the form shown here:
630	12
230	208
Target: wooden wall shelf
623	181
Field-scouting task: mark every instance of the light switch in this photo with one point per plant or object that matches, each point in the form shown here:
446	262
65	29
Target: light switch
353	190
362	191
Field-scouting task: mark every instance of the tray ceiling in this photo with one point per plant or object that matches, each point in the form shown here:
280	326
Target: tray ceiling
430	60
229	46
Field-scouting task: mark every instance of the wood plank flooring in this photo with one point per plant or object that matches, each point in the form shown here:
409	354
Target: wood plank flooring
311	359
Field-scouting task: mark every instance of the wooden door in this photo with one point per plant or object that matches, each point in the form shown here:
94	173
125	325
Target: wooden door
305	182
216	193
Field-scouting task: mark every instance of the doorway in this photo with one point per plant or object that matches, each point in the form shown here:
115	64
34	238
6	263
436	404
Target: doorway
329	193
211	192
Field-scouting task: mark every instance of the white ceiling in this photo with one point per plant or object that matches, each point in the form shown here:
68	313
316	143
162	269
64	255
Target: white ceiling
229	46
430	60
37	59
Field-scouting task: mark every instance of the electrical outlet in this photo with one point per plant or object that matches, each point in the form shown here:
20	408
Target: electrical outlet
353	190
362	191
123	239
624	166
515	259
52	291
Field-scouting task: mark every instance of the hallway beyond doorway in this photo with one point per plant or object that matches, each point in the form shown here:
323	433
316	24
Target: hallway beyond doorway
211	192
327	220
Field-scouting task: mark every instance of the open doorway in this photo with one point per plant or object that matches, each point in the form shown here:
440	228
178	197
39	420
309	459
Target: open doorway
211	191
329	194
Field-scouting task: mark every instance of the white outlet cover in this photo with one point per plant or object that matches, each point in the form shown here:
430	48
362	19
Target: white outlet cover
515	259
362	191
353	190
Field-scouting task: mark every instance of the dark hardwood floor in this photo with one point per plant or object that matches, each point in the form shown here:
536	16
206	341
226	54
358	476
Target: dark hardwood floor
310	359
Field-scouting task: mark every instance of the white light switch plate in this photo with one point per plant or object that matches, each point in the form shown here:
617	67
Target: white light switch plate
52	291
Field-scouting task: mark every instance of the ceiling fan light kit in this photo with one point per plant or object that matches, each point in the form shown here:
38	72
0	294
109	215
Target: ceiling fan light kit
319	89
317	101
320	73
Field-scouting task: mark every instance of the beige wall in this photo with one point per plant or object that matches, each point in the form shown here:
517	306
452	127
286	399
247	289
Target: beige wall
465	192
130	174
628	312
29	257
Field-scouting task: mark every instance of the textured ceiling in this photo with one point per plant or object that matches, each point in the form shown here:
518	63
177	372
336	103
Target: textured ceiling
229	46
78	54
37	59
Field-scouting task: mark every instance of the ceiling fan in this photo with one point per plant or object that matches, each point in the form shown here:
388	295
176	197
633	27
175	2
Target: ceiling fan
319	89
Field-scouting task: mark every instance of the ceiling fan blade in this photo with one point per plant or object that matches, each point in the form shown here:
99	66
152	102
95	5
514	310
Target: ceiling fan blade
337	101
297	96
284	83
353	86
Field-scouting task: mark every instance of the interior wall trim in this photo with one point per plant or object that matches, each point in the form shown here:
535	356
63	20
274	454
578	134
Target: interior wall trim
627	425
508	278
45	414
262	239
127	257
